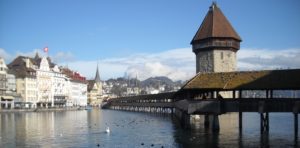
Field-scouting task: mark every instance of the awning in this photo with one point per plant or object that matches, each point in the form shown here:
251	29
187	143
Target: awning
7	97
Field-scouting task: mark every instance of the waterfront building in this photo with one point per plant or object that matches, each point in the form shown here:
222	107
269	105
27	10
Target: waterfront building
7	86
78	95
60	87
26	82
42	83
10	83
95	91
3	69
77	84
52	88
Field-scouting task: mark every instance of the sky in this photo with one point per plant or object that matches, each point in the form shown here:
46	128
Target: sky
145	38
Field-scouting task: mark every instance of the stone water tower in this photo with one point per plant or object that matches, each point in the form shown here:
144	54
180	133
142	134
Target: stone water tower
215	43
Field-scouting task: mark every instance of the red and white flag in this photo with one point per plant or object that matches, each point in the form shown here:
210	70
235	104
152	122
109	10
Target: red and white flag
46	49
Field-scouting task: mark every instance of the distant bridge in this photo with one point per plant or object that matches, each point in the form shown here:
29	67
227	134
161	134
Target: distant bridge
202	95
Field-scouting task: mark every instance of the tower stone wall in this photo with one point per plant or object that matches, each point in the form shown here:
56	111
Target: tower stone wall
216	61
205	61
224	60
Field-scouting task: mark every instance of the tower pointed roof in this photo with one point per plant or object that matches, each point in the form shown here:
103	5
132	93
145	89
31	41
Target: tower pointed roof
97	77
215	25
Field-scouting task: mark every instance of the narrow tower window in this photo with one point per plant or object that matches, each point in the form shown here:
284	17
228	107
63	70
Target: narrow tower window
222	55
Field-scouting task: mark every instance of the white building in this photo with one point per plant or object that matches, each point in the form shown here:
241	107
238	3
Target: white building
43	84
26	81
77	95
11	83
60	87
3	69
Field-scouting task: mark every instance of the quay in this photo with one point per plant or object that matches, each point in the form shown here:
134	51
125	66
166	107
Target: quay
42	109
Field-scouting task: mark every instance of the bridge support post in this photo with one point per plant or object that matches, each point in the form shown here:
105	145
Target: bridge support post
211	122
240	121
183	117
296	128
206	121
186	120
264	122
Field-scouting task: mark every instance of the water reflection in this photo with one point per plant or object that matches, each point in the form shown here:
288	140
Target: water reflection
281	132
129	129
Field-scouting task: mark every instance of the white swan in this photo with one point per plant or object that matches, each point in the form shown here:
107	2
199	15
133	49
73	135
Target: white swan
107	130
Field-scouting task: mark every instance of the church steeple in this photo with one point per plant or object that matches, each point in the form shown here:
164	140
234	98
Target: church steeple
97	77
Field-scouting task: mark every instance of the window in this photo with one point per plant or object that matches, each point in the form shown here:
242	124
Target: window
222	55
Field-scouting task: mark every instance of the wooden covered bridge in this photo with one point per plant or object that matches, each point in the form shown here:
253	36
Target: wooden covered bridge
212	94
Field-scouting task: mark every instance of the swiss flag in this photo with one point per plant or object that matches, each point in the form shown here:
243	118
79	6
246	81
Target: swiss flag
46	49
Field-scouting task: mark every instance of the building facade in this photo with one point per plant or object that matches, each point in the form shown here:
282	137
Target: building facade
78	93
77	88
3	72
42	83
60	87
8	94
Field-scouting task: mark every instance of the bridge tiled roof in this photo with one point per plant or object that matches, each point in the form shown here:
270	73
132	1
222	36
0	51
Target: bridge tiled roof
247	80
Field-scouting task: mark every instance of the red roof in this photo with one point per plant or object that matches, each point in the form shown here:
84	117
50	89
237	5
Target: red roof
75	76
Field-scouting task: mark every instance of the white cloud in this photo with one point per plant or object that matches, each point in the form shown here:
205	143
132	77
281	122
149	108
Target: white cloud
88	68
257	59
150	69
59	57
6	56
31	53
177	64
62	57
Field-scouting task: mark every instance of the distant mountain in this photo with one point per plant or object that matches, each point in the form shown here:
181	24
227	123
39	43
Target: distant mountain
158	81
154	82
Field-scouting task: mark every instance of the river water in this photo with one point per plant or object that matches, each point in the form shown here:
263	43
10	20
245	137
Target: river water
135	129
